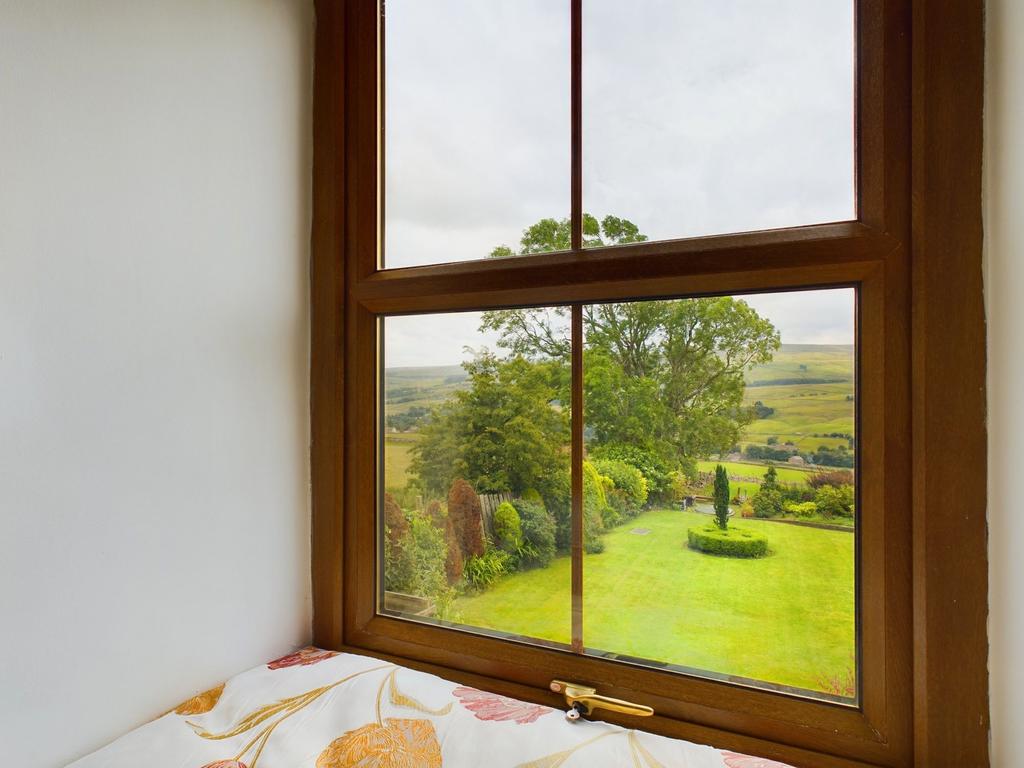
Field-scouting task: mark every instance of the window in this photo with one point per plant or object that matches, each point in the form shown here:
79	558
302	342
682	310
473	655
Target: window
631	375
478	501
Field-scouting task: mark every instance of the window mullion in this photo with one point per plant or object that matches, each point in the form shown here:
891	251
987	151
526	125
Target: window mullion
577	478
576	123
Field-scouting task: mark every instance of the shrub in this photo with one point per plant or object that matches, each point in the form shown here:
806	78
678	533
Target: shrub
398	566
734	542
627	479
767	503
436	514
595	502
747	510
557	501
834	501
721	497
770	482
533	496
416	563
618	509
678	487
396	525
483	570
836	477
409	497
803	509
538	527
467	517
453	563
651	466
796	493
508	530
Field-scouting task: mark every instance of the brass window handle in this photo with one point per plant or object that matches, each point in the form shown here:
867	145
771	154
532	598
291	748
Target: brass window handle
583	700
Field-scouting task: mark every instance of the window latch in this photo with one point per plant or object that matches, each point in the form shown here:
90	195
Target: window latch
583	700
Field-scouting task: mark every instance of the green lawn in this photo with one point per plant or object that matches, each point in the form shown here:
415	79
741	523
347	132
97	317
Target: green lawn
787	618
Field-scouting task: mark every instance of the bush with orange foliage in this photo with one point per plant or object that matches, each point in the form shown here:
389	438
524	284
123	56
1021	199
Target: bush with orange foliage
467	518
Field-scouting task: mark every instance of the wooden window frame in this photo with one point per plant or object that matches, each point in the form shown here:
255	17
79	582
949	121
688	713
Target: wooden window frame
922	566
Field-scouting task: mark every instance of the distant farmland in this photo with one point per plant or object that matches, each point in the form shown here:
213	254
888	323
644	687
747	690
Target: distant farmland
804	408
809	386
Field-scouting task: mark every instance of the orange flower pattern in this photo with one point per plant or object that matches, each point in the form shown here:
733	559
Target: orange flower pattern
394	744
201	704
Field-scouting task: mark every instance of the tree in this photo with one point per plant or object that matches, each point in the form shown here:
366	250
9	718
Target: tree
467	518
504	433
721	497
665	376
771	479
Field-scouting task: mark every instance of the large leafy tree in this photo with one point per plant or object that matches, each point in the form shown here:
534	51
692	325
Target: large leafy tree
664	375
663	384
506	431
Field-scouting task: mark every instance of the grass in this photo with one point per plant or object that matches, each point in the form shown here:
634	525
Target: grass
397	457
786	619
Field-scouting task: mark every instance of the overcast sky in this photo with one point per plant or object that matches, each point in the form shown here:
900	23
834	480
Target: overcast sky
803	317
699	118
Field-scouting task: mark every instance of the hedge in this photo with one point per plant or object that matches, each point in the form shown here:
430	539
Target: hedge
508	529
734	542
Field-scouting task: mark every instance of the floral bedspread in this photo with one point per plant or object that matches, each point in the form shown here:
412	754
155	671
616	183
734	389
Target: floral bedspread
324	709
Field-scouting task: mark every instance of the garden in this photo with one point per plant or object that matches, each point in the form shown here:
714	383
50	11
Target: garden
696	556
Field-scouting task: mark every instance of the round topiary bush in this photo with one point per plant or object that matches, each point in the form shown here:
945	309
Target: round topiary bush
508	528
733	542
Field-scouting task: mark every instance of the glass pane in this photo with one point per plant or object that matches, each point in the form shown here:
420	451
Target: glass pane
707	118
475	504
476	138
761	386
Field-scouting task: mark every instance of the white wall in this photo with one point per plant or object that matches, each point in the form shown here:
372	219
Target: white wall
1004	288
154	229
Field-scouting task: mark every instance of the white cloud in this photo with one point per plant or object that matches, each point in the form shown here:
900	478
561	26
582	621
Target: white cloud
802	317
700	118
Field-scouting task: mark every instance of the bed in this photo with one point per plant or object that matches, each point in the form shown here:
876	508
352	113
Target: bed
325	709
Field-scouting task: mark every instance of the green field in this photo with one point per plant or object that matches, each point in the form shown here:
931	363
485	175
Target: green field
786	619
806	408
397	457
803	408
742	469
423	386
